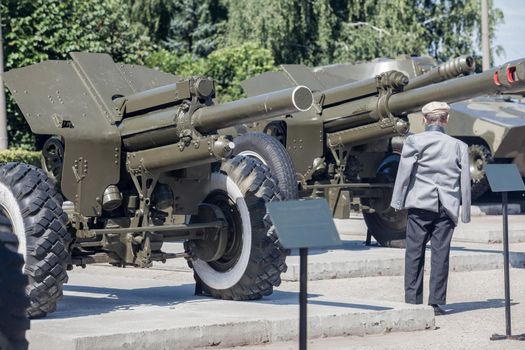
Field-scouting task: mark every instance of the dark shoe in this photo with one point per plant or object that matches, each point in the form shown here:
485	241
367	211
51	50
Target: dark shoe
437	310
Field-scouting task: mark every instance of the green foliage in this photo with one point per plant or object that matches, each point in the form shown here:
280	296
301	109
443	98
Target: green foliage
20	155
283	26
39	30
155	15
181	25
191	28
374	29
228	66
184	65
450	26
328	31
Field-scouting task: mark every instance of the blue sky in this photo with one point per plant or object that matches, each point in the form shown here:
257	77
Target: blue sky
510	35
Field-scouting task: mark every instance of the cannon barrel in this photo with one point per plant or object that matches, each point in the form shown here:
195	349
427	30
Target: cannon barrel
170	154
162	127
368	109
505	78
273	104
445	71
362	88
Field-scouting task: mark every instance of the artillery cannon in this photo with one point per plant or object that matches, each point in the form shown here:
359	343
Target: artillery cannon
490	125
133	160
346	148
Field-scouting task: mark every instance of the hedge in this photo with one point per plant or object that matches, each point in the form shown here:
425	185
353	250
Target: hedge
20	155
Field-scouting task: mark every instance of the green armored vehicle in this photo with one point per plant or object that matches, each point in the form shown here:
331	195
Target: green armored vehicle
492	126
133	160
346	148
494	129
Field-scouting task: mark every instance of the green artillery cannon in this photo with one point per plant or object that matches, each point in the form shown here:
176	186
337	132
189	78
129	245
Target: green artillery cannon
492	126
133	160
346	148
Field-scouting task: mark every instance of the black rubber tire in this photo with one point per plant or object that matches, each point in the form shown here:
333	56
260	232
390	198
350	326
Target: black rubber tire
480	187
275	157
388	233
13	299
267	257
386	225
47	238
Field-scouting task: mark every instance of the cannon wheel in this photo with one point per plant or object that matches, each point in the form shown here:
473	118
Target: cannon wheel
34	207
13	299
253	260
479	157
386	225
271	153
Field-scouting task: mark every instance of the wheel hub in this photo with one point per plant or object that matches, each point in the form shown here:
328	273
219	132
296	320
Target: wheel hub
212	247
223	251
478	160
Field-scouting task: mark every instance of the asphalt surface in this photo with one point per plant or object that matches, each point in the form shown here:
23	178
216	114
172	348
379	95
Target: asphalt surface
111	308
475	311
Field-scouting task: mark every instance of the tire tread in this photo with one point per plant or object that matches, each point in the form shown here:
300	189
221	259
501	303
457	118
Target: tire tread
47	237
267	258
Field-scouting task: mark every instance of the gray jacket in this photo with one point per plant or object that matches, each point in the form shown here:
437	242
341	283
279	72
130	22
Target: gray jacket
434	168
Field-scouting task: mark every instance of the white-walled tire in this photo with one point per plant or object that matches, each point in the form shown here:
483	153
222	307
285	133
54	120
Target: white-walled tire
253	261
33	205
13	299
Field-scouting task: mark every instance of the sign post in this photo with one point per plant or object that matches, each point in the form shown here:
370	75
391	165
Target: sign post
505	178
301	225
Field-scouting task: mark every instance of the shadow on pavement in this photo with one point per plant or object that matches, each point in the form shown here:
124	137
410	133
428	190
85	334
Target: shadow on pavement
81	301
353	245
475	305
290	298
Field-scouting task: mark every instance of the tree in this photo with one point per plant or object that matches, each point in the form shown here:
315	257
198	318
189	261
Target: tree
155	15
40	30
228	66
191	28
450	26
329	31
181	25
378	28
283	26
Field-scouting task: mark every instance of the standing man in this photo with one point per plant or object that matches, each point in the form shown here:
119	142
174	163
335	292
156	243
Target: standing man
432	181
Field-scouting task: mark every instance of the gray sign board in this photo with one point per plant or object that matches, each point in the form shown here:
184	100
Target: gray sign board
504	178
304	223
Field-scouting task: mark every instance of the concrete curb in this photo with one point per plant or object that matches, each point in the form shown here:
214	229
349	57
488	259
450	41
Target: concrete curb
346	264
229	334
482	229
483	209
492	235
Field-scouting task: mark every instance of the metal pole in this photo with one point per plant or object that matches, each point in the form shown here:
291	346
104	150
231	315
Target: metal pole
506	268
3	114
485	44
506	262
303	278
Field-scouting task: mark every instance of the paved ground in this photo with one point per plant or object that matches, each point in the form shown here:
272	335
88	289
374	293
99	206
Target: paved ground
482	229
110	308
476	310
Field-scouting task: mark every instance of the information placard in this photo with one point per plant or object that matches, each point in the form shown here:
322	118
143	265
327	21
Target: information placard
304	223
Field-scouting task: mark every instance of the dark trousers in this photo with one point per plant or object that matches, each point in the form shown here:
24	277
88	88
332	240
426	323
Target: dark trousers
424	226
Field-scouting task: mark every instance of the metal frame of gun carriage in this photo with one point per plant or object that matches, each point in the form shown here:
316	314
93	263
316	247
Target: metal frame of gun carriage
136	156
346	148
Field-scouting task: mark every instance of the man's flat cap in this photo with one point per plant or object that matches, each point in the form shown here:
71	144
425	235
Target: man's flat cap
435	107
